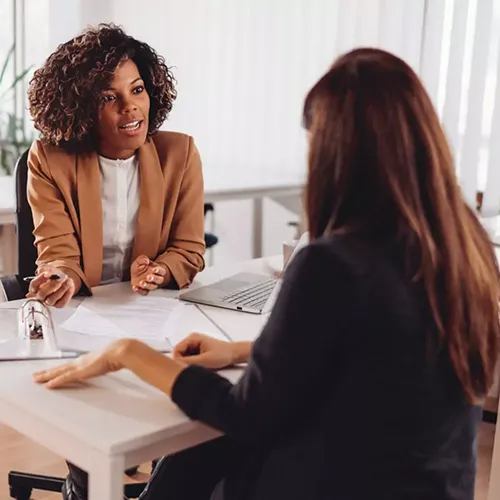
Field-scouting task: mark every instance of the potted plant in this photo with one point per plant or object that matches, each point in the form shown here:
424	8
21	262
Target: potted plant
14	139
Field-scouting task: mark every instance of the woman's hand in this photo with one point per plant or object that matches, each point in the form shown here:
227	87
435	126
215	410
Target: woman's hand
53	292
146	275
148	364
87	366
202	350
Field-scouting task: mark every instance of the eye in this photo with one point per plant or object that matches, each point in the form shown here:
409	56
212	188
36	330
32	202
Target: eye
107	98
139	89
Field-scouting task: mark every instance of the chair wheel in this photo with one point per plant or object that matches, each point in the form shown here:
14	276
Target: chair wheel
20	493
132	471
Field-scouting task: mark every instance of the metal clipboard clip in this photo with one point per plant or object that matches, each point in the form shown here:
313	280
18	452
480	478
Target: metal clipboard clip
35	324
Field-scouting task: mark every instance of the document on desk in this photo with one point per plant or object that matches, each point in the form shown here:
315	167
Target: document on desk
158	321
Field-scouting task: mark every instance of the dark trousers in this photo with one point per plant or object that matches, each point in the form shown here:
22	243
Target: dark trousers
191	474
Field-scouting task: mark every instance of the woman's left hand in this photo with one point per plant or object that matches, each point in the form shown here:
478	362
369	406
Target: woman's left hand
85	367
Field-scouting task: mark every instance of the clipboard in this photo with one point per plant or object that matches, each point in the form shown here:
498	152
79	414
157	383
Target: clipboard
35	337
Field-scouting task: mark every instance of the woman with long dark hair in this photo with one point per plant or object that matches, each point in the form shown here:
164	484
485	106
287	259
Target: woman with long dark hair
367	380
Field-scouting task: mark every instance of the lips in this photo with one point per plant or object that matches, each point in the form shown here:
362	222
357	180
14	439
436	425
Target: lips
132	125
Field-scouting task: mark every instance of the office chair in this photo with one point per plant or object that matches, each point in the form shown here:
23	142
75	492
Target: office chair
21	484
210	239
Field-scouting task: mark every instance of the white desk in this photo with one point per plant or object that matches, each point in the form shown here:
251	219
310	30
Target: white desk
114	422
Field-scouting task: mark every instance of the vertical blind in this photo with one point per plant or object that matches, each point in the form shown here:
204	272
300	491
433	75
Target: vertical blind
460	66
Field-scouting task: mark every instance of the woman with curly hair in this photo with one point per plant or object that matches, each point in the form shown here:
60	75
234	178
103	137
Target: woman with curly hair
112	198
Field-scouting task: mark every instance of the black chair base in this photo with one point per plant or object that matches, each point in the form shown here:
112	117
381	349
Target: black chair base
490	417
22	484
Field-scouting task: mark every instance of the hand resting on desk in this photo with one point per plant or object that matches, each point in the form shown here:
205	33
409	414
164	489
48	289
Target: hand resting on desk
148	364
202	350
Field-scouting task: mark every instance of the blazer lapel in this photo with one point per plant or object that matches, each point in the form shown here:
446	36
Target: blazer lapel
150	216
90	208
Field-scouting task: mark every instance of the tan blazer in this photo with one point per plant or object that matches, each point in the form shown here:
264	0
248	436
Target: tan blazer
64	192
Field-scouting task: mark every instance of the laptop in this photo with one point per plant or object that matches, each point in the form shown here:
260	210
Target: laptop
246	292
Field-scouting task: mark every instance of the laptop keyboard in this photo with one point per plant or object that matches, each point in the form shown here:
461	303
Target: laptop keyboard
252	296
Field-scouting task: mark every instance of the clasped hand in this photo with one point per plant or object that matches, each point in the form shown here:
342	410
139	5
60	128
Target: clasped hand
147	275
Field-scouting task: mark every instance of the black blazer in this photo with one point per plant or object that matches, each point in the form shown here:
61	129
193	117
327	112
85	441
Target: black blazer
341	398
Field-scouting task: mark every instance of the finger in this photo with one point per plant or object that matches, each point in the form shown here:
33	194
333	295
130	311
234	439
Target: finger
142	262
160	271
49	287
148	286
46	375
38	282
54	297
63	301
140	291
65	379
155	278
190	343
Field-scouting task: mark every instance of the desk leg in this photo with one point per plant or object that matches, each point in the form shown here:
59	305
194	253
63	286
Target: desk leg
106	478
494	486
258	227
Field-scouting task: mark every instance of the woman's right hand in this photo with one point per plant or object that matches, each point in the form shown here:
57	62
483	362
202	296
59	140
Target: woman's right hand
53	292
202	350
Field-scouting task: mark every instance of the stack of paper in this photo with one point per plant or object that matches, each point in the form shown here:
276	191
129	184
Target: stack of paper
158	321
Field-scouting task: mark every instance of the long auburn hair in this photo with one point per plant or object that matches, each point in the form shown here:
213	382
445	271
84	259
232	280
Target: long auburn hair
379	161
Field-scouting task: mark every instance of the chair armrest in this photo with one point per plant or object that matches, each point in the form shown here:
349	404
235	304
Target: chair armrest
13	288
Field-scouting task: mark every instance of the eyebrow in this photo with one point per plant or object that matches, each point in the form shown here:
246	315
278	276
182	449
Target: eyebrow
131	83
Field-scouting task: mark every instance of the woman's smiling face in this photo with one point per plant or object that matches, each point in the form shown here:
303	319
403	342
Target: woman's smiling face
123	119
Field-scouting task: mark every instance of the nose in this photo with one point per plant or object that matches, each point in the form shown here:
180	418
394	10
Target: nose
128	105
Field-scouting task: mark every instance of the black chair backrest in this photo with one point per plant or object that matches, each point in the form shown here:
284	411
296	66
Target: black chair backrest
26	250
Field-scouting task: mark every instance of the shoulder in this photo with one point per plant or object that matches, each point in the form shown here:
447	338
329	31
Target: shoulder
330	251
172	143
176	152
348	255
46	156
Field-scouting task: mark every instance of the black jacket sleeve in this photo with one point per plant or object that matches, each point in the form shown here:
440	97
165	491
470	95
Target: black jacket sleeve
292	361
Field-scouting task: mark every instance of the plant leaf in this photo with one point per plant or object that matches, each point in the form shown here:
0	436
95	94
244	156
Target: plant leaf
17	79
10	53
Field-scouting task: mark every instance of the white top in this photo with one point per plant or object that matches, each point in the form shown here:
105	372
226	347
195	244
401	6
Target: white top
120	193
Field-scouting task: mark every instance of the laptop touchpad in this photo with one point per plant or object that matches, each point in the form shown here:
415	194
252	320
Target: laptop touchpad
229	285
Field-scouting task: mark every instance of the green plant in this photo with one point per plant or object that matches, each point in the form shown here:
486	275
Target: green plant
14	139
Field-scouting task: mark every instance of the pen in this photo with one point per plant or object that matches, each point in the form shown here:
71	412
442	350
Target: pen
52	277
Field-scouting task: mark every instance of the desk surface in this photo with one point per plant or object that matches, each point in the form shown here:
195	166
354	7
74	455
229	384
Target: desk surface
114	414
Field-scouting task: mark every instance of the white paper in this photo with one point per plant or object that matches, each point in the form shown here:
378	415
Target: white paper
134	317
8	324
160	322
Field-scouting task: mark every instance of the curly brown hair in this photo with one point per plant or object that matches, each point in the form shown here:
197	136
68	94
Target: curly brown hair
64	94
